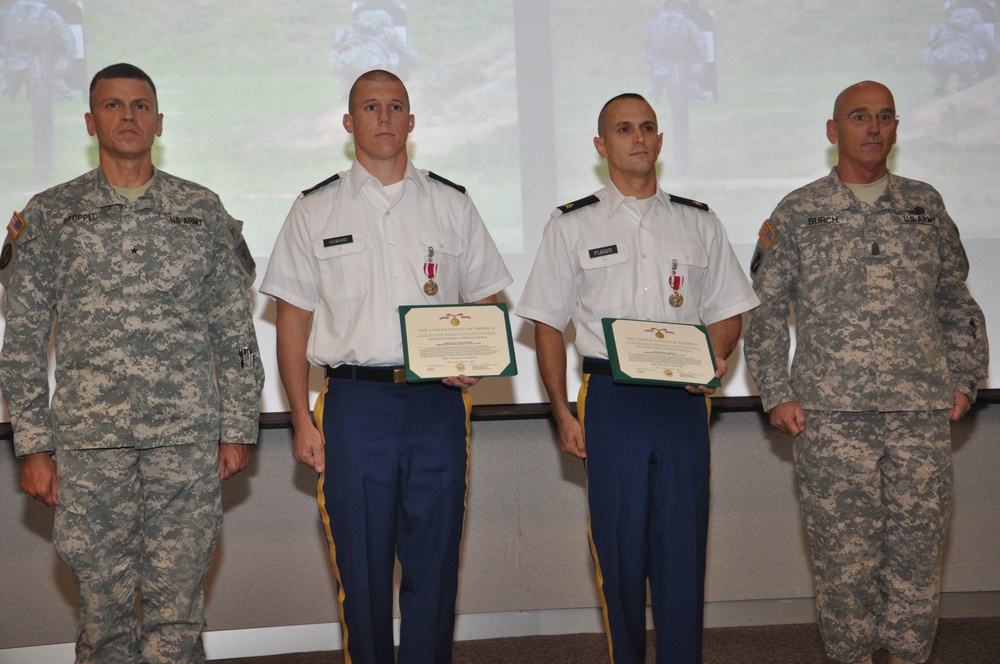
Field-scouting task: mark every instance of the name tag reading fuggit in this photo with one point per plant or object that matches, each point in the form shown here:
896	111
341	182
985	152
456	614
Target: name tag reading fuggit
604	251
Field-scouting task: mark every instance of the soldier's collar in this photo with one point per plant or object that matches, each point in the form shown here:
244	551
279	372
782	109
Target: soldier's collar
359	175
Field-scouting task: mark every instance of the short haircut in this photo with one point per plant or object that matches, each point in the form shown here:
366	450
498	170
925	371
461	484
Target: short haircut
604	109
377	76
121	70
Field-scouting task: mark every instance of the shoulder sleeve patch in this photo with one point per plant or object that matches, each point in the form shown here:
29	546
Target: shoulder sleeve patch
7	254
8	257
756	262
317	187
246	260
576	205
233	238
432	174
689	202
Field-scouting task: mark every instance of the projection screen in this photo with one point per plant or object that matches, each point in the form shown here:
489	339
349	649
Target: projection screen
506	96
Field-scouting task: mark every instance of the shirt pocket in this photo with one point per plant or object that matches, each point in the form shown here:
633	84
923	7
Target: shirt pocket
179	263
831	267
605	279
344	269
919	262
86	265
692	264
447	256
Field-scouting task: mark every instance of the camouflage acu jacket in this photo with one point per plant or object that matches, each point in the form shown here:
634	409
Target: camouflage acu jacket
148	304
883	318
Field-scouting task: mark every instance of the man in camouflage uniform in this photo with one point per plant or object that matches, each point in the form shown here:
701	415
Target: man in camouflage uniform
142	279
889	347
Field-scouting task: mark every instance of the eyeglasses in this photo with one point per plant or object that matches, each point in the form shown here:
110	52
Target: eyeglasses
864	118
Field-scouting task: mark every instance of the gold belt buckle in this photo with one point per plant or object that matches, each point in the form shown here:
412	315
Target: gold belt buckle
399	375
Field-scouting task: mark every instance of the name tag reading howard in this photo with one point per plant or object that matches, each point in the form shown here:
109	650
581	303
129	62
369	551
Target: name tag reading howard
659	353
469	339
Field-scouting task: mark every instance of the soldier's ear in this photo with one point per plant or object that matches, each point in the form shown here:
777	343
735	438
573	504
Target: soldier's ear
348	123
599	144
831	131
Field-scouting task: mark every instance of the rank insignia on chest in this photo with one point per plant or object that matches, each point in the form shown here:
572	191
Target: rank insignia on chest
767	234
876	248
16	225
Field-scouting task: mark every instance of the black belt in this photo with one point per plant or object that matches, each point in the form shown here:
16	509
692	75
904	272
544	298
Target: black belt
377	374
592	365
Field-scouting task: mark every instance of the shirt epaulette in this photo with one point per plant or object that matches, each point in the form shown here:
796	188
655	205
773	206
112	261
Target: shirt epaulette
583	202
688	201
446	181
332	178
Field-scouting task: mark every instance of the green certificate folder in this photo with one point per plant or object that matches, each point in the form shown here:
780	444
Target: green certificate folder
645	352
453	339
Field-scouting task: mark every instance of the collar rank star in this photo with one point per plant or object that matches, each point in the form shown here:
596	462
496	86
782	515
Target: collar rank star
430	270
676	299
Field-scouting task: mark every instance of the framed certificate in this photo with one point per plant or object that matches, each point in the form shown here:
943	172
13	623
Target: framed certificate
659	353
453	339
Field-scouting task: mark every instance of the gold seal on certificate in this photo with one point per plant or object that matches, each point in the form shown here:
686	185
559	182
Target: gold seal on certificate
659	353
469	339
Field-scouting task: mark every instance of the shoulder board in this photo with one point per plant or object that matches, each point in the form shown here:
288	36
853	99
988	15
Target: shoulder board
332	178
575	205
688	201
432	174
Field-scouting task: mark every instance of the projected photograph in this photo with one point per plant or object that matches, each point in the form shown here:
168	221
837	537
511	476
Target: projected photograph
253	94
742	92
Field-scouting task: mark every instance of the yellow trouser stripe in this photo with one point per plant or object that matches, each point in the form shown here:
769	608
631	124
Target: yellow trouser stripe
321	499
581	405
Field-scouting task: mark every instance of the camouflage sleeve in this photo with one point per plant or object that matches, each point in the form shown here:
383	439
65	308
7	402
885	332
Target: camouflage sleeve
29	310
238	368
773	268
963	325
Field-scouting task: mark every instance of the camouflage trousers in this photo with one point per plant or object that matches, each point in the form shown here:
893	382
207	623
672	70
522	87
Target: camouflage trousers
875	491
133	520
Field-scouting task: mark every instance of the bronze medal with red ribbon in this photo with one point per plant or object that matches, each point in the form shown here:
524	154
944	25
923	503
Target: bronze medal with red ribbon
676	299
430	271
